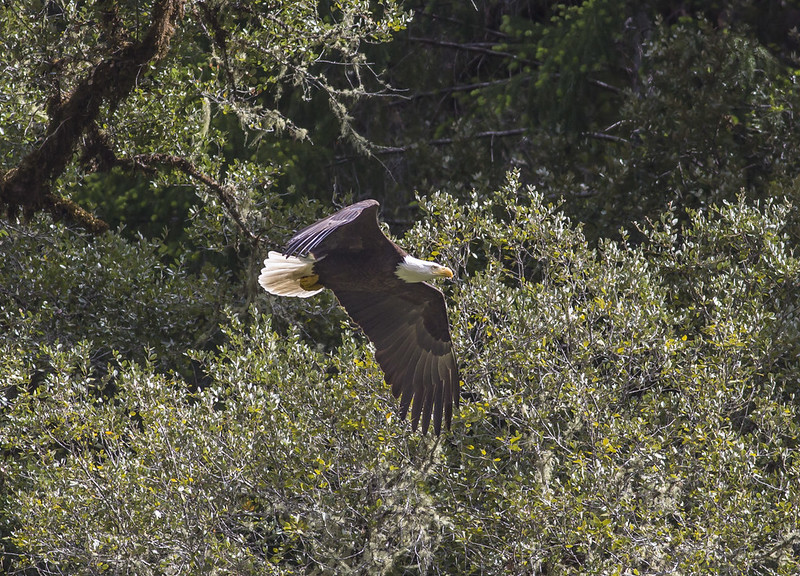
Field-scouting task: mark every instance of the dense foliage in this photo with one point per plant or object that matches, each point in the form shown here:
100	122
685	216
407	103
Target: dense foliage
627	409
613	182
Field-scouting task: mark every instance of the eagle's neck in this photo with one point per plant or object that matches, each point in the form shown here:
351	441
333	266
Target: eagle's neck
413	269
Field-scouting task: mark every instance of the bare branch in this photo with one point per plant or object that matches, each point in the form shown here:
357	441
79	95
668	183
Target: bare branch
389	150
486	134
448	90
481	48
604	136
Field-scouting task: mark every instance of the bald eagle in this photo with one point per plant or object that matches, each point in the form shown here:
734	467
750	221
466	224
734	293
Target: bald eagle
384	290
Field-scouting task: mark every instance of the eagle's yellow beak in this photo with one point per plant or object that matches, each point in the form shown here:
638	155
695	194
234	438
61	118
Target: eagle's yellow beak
444	272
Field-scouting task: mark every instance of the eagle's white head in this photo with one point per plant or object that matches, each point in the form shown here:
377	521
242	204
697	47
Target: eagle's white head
415	270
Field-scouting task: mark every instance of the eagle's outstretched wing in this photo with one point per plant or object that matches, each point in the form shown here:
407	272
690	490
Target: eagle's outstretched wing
410	330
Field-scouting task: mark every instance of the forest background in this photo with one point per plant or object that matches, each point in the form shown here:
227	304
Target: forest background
614	183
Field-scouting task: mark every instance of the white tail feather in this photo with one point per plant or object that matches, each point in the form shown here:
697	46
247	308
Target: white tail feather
281	275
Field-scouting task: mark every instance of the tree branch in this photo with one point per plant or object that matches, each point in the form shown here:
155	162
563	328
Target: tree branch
389	150
486	134
448	90
27	186
604	136
479	47
147	161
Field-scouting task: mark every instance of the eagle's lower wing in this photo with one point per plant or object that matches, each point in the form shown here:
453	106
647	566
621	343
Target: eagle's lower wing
410	330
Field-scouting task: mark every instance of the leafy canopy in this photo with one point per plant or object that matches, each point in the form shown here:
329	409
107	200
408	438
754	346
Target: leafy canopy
629	407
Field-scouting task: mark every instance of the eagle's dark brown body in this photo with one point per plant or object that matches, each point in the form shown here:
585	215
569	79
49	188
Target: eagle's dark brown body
406	320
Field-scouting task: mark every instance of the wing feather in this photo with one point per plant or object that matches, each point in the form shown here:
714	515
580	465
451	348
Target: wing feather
427	389
405	394
438	398
417	389
447	392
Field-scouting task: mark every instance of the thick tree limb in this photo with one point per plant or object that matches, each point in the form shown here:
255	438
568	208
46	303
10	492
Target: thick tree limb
27	186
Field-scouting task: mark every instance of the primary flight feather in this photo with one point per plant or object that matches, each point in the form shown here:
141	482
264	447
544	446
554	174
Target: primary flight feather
384	290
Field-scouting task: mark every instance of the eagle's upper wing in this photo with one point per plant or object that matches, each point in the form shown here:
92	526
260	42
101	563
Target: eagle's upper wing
352	228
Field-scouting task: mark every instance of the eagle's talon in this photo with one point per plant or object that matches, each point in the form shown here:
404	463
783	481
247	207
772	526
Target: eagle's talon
310	283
